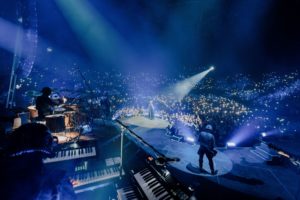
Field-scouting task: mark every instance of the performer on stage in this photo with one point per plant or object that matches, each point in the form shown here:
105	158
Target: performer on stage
44	104
151	110
207	145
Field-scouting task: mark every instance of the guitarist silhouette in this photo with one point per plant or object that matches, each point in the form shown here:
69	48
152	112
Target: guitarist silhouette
207	145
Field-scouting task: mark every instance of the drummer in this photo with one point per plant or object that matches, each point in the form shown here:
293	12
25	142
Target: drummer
44	104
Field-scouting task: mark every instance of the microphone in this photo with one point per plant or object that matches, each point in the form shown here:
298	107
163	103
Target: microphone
164	160
172	159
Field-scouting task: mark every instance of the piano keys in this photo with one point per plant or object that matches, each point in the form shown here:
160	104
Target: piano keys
127	193
71	154
151	186
86	180
152	182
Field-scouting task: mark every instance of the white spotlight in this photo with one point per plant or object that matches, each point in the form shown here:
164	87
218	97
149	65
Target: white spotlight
49	49
263	134
182	88
212	68
190	139
231	144
20	19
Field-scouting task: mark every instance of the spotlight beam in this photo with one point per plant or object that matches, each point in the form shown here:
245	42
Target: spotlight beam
183	88
97	35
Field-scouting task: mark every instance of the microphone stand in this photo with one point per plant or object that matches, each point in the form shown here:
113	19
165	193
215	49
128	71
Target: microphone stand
160	158
87	85
91	94
121	151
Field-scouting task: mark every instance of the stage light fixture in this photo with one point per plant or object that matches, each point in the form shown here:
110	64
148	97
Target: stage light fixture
49	49
182	88
190	139
212	68
263	134
20	19
230	144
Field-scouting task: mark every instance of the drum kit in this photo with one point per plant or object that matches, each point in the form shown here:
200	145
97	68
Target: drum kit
72	116
21	118
64	117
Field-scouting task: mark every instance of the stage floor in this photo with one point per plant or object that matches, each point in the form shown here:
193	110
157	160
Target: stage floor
144	122
240	169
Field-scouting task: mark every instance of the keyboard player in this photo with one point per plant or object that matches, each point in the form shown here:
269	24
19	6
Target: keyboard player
22	172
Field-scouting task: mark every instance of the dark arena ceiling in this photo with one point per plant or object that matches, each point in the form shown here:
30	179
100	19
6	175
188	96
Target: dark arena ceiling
237	36
171	38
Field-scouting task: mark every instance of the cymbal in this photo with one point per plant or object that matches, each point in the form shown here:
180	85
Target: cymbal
54	96
33	93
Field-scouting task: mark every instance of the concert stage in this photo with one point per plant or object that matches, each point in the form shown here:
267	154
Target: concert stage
144	122
240	170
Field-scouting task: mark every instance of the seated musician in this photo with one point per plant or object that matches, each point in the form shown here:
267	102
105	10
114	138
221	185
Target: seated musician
44	104
23	174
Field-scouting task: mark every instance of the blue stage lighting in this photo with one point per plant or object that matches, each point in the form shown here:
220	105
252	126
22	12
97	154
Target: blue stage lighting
263	134
182	88
49	49
190	139
231	144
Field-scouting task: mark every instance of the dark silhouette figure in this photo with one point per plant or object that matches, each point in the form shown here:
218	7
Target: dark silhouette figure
44	104
23	174
207	145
